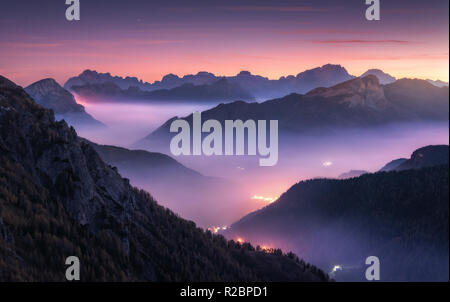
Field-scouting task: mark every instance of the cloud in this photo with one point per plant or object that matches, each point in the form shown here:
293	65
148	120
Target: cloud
288	9
327	31
31	45
363	42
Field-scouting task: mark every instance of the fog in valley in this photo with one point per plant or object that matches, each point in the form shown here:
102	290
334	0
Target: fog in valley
237	185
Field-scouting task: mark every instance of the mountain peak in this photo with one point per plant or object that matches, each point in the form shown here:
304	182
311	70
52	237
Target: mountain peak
332	67
413	83
244	73
88	71
45	87
366	92
51	95
89	75
170	77
48	82
326	75
438	83
353	85
383	77
428	156
205	73
5	83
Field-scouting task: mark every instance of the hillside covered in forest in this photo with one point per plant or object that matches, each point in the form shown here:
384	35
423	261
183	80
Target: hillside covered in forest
58	198
402	217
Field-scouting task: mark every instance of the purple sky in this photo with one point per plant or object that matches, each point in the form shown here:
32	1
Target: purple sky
149	39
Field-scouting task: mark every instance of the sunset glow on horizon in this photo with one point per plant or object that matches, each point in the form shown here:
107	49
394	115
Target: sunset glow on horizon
273	39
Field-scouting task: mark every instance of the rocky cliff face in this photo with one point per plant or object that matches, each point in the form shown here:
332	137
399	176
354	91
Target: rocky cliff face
363	92
58	198
50	151
51	95
428	156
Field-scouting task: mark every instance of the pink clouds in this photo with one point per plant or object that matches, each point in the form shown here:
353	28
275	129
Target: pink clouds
271	40
289	9
363	42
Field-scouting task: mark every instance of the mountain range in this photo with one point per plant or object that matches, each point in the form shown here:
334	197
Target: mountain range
51	95
399	216
255	86
243	86
357	103
58	198
352	174
219	91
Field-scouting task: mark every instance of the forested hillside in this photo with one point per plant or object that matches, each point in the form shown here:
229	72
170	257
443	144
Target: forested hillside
58	199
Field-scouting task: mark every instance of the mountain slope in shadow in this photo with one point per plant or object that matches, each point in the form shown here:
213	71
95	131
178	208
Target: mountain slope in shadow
400	216
58	198
355	104
209	201
428	156
51	95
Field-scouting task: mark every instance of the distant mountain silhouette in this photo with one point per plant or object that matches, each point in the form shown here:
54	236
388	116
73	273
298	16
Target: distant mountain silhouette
383	77
325	76
259	87
151	165
255	86
400	217
352	174
93	77
221	90
419	99
428	156
357	103
438	83
51	95
392	165
59	198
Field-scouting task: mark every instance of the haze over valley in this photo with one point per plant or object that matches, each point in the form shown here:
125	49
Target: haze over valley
231	186
213	141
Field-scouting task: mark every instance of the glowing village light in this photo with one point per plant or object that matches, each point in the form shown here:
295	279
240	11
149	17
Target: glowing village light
266	248
216	229
336	268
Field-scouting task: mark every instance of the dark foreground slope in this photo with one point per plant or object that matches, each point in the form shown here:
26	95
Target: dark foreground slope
400	217
58	198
